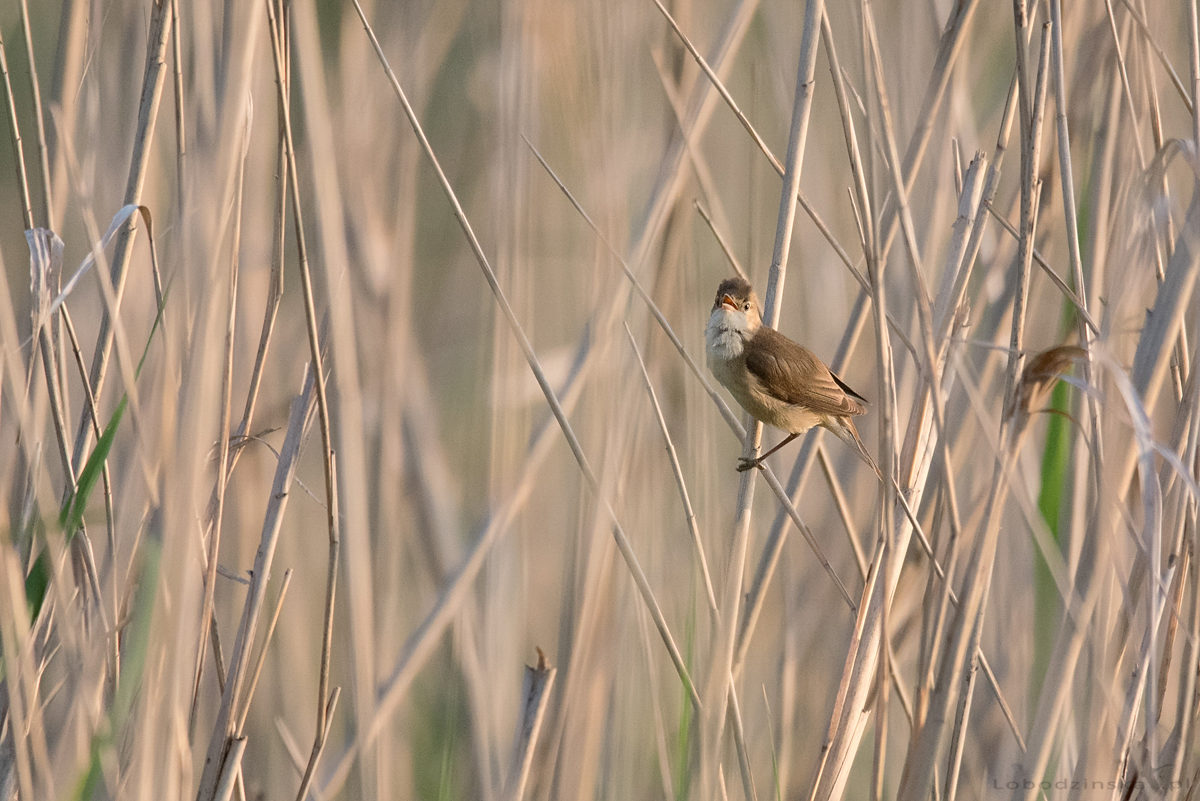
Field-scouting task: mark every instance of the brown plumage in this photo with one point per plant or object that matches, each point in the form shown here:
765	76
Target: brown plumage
775	379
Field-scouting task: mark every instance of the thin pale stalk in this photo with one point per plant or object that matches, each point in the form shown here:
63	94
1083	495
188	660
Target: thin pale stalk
677	470
285	471
226	402
535	696
1030	117
106	489
887	554
17	143
39	119
180	112
839	500
233	769
950	45
835	759
325	702
720	685
421	644
964	643
319	741
695	151
848	721
739	742
1185	703
959	736
730	256
1069	645
64	102
950	299
1194	67
152	86
879	754
1069	294
762	146
670	178
622	540
275	286
256	671
1164	60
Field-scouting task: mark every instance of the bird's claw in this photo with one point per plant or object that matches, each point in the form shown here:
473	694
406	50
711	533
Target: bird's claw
745	464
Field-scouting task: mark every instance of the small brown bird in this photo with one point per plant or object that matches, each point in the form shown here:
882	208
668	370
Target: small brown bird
774	379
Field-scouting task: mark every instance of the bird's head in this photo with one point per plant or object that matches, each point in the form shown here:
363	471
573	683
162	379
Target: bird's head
736	306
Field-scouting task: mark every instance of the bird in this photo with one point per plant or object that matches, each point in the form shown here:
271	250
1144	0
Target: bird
779	382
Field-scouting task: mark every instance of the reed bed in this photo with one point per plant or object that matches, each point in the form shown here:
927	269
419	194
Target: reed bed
356	438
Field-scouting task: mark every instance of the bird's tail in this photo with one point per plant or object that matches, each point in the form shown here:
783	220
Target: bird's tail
843	428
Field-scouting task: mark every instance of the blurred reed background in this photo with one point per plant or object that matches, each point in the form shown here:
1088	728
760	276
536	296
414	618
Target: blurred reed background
225	579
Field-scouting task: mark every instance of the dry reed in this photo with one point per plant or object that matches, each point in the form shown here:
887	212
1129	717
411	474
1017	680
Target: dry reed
987	219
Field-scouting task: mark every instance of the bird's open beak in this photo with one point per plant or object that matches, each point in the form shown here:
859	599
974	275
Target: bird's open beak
729	303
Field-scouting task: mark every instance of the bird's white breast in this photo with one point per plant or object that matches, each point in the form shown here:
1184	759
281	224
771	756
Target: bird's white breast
724	338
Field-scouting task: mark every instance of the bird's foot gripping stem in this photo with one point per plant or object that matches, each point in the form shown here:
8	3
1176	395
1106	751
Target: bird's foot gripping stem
745	464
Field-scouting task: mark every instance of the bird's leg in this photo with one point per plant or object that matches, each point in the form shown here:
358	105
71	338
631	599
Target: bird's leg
745	464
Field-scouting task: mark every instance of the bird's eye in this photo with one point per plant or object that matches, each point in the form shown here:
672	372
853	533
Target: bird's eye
746	306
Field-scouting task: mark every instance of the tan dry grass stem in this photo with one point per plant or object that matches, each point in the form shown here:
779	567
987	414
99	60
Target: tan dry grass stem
537	465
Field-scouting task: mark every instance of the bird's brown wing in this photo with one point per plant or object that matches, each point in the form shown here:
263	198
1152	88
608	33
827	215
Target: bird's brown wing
846	388
795	375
